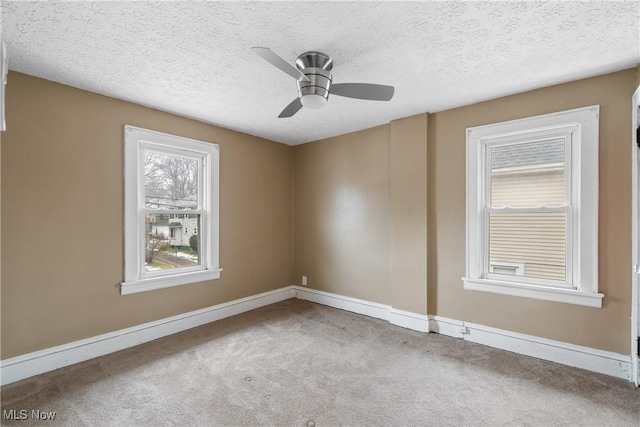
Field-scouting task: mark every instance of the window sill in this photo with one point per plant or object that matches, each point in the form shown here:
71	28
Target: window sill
143	285
568	296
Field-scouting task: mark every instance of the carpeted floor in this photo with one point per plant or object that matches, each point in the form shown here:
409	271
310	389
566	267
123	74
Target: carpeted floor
296	363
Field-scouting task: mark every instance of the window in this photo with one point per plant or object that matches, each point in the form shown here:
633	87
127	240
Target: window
166	176
532	204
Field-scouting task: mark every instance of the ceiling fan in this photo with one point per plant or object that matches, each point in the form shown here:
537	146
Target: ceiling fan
313	75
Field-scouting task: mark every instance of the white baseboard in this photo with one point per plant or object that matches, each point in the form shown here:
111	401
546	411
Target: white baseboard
604	362
405	319
449	327
28	365
354	305
409	320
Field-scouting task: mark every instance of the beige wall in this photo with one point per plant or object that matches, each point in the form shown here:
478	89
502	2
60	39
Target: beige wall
408	206
349	207
362	206
606	328
359	214
341	214
62	217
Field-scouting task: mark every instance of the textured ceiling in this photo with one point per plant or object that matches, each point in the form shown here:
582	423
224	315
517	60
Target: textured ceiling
194	59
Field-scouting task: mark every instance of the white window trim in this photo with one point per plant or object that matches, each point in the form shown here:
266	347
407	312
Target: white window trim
583	289
136	139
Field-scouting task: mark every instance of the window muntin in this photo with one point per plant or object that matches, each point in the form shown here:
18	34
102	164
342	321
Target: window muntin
569	202
171	189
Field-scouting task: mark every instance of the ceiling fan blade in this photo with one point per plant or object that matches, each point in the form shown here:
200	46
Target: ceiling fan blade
368	91
291	109
275	60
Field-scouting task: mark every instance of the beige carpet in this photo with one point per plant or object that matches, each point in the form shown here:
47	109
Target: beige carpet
297	363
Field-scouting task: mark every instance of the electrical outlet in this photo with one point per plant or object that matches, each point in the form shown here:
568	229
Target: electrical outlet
304	280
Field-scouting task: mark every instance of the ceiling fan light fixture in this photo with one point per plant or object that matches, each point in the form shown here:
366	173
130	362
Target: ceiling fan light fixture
313	100
313	77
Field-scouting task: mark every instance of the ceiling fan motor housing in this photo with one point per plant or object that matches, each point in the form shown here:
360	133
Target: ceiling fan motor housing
317	67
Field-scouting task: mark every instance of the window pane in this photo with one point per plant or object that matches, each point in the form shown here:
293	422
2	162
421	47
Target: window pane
171	243
528	244
528	175
170	182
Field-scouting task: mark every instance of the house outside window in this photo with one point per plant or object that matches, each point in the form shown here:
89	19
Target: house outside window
532	199
171	186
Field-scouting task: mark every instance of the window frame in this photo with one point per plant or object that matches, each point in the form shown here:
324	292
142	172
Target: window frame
136	141
567	134
581	206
